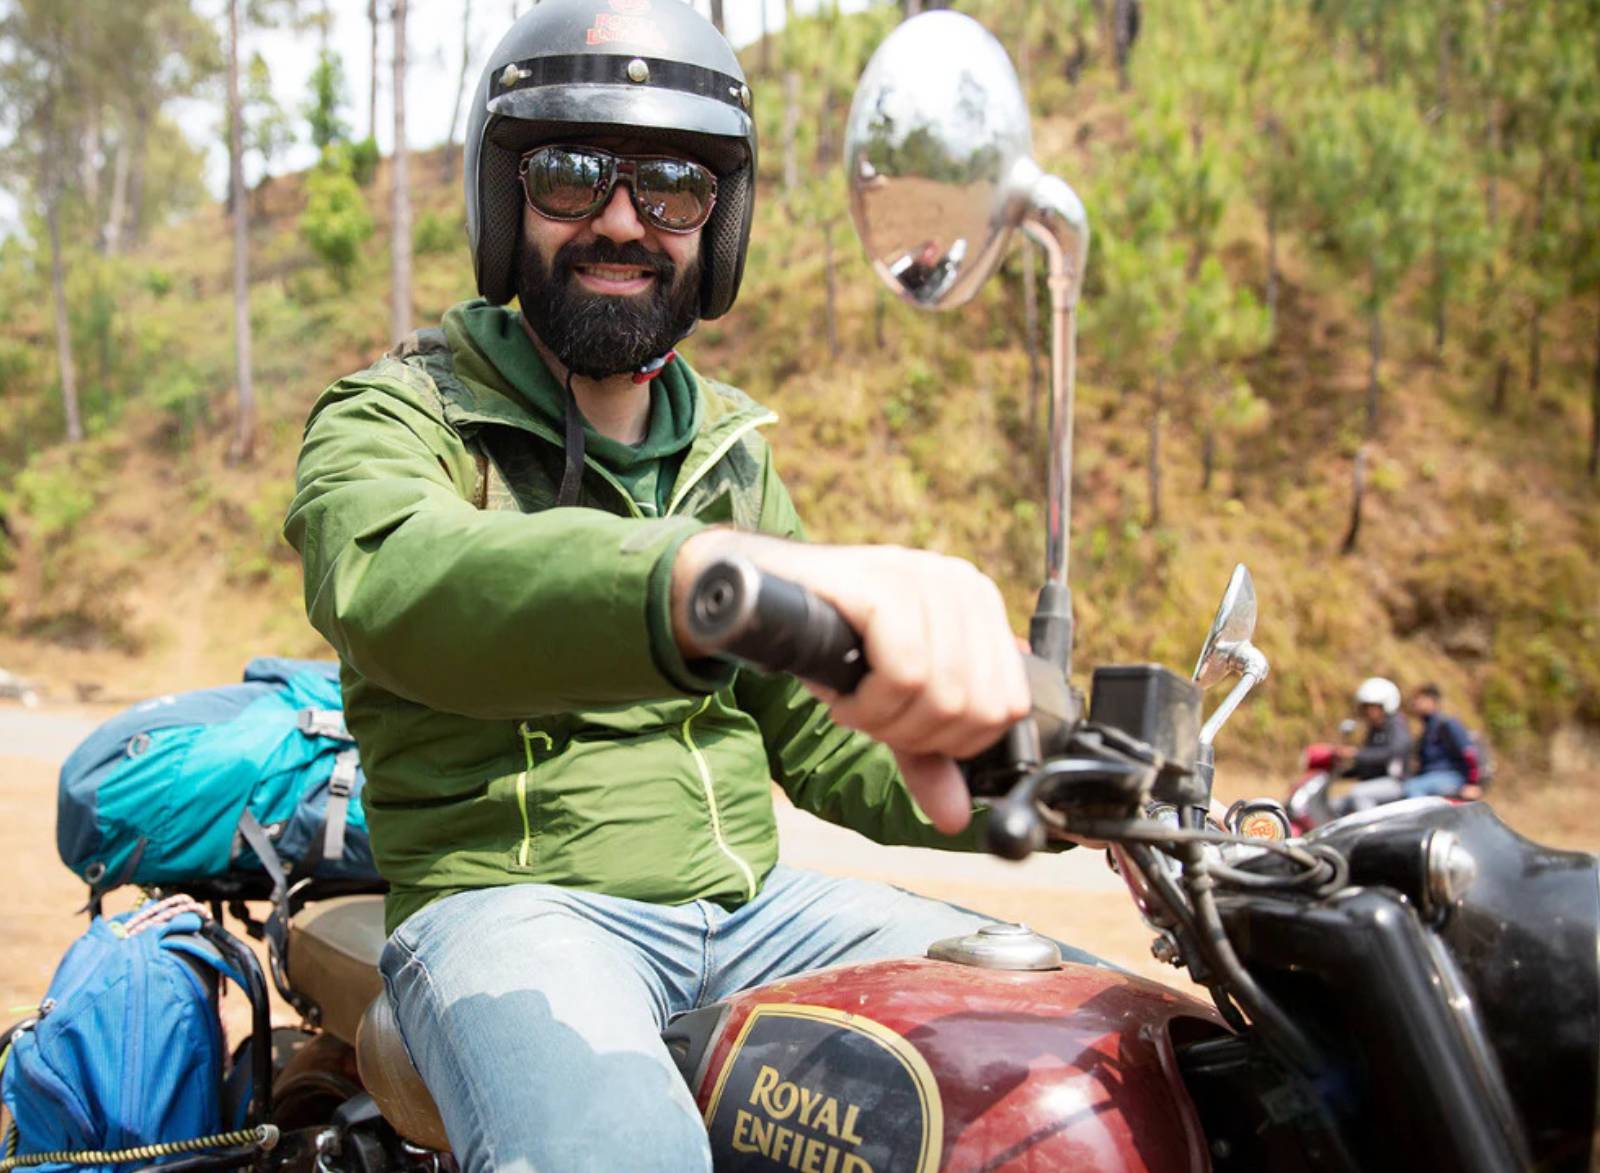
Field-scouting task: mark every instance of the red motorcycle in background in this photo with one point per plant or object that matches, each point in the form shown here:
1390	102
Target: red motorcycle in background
1416	991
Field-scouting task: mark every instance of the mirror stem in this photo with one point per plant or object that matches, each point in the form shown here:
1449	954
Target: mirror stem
1055	219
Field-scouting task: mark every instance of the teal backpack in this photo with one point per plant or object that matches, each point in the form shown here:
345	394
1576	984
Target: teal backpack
253	777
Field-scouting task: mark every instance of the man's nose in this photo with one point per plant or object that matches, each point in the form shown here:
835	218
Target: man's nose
618	221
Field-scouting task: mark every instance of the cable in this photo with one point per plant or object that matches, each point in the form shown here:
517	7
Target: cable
263	1137
1320	862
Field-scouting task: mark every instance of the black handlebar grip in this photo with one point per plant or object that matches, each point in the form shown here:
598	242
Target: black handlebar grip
739	610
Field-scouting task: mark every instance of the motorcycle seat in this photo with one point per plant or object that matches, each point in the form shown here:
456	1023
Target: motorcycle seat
334	947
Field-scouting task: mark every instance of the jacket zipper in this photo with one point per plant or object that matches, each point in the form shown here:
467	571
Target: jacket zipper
529	736
711	802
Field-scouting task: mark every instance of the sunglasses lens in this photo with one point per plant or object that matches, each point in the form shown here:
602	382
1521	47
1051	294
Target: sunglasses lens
565	183
674	193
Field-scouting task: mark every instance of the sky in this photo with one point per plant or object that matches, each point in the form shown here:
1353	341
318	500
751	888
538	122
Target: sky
433	68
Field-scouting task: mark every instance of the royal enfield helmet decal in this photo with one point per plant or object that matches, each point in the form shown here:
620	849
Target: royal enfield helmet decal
823	1091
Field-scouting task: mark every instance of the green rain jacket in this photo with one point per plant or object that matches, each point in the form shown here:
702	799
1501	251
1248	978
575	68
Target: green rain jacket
509	672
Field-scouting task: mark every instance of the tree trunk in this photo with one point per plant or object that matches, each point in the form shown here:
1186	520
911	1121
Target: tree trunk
1536	321
1124	19
717	17
766	42
911	7
1439	299
372	56
1153	471
1502	379
88	162
400	192
880	309
824	155
1358	492
111	232
1272	267
830	287
1208	457
461	88
244	439
1491	191
58	295
1030	328
1594	407
134	219
791	124
1374	357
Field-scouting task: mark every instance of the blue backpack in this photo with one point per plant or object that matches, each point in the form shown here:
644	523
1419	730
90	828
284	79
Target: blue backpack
127	1049
253	777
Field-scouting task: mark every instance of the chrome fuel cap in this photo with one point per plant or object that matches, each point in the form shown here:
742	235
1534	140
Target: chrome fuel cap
999	946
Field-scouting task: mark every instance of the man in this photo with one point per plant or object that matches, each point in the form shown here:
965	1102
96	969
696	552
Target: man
498	523
1447	757
1379	761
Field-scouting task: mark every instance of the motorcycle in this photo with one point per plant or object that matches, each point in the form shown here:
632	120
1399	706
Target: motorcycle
1420	989
1309	803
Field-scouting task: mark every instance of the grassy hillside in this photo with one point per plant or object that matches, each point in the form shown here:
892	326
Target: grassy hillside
141	560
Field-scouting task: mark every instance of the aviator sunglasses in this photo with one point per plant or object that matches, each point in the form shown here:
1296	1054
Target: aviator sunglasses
574	183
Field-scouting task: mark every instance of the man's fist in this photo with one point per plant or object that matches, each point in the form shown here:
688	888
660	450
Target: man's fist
944	679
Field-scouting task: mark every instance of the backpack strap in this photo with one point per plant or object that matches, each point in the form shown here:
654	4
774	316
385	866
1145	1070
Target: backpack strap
341	785
323	723
428	350
275	929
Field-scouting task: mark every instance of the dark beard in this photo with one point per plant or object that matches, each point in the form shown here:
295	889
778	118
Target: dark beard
596	334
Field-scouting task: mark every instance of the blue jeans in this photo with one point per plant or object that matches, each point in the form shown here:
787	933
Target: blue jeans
533	1012
1445	782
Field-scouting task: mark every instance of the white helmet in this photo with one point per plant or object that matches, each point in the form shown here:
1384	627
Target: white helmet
1380	691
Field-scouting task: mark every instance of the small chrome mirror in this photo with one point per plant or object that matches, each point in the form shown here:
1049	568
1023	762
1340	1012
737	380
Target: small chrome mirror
938	153
1230	631
938	160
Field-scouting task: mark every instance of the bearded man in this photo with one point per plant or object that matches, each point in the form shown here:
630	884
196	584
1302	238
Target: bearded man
498	522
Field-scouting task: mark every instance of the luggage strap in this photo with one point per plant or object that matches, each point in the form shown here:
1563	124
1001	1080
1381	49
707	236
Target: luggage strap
323	723
340	786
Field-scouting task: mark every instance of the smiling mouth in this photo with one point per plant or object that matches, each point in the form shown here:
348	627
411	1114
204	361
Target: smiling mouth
616	275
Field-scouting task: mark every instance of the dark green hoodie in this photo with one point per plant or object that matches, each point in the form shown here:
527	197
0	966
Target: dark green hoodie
509	671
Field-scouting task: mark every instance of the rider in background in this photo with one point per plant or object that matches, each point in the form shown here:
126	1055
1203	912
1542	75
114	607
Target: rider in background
1448	760
1380	760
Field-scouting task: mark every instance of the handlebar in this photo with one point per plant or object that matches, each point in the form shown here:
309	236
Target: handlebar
737	609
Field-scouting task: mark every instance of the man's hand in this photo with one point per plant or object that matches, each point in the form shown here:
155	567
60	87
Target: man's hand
1345	753
944	678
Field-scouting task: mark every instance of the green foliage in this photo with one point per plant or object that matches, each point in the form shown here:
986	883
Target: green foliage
268	129
361	159
55	497
336	222
436	233
1365	164
328	97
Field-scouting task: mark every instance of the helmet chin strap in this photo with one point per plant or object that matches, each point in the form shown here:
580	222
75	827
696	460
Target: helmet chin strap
572	473
654	367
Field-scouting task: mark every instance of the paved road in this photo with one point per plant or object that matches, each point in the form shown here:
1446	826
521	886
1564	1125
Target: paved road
46	737
806	841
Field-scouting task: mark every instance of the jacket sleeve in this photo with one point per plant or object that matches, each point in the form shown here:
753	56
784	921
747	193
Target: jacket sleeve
489	614
1373	759
835	773
1463	750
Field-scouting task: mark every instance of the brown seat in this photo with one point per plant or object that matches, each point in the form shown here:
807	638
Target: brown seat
334	947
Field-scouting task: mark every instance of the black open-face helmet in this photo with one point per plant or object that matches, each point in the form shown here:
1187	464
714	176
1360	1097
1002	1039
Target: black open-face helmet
648	69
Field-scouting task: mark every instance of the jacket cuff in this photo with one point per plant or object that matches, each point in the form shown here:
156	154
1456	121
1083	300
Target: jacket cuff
698	677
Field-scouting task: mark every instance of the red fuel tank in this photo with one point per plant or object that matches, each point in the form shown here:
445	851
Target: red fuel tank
917	1065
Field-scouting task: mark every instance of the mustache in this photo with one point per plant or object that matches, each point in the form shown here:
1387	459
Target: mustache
601	251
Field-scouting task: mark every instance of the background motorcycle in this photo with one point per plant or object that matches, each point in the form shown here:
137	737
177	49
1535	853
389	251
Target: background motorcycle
1309	802
1422	987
